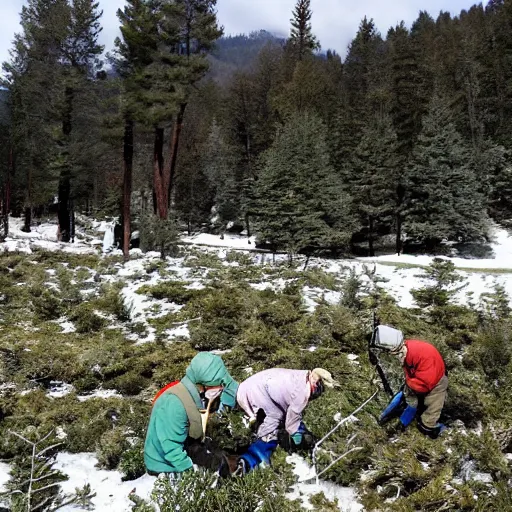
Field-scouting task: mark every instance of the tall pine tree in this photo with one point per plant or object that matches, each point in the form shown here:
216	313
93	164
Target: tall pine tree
300	205
443	197
375	170
302	43
80	54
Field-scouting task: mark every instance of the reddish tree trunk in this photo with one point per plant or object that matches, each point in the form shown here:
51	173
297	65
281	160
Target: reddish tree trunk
127	186
175	141
164	175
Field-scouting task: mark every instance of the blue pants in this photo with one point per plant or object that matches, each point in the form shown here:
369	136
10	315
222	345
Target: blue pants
259	452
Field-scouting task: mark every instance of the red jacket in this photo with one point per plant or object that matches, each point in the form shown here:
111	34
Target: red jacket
423	366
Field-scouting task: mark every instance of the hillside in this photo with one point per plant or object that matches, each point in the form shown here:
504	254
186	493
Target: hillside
86	359
238	53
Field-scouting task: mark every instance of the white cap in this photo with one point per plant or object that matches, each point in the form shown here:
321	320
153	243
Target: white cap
388	338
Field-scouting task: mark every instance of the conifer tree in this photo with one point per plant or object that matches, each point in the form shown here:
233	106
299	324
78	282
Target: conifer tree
33	79
444	200
375	171
219	167
186	30
80	53
299	202
302	41
134	51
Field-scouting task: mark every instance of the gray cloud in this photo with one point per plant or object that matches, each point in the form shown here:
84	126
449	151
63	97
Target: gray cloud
335	22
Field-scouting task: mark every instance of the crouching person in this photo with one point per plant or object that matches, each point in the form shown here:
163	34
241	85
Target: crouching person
175	440
274	401
426	380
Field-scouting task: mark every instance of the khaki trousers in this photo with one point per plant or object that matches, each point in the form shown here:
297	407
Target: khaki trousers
430	404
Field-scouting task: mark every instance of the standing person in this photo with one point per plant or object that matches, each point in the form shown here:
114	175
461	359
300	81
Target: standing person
426	380
275	400
175	440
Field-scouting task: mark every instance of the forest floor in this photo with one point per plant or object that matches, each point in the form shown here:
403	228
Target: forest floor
127	328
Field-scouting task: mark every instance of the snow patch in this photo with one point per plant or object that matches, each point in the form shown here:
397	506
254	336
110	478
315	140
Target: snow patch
59	389
181	331
231	241
4	476
101	393
111	492
501	246
347	499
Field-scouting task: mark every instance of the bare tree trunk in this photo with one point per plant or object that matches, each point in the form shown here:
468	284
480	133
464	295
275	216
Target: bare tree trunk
247	225
175	141
370	236
127	186
28	219
160	185
400	200
65	175
28	202
6	200
398	232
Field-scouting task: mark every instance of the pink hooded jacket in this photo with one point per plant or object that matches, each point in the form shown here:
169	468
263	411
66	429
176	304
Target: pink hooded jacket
282	394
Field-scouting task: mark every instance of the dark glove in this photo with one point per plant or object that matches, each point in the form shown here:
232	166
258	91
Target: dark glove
285	441
303	439
228	465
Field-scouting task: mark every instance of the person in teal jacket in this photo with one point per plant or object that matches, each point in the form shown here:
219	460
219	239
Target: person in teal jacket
175	438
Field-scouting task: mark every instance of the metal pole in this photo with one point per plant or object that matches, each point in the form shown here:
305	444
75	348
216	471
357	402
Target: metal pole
340	424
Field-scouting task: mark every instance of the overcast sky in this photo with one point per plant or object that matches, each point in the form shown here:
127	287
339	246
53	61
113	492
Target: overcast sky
335	22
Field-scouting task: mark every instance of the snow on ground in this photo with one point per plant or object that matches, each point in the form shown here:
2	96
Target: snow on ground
111	492
100	393
231	241
347	499
59	389
501	246
43	236
4	475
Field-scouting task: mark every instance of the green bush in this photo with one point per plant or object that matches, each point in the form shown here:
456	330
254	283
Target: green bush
495	349
47	305
86	320
111	301
262	490
130	383
446	284
173	291
131	463
110	448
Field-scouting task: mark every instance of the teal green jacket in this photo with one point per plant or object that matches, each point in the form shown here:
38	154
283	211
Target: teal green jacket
164	449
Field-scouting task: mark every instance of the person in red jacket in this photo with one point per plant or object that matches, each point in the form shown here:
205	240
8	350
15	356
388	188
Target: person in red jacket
426	380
